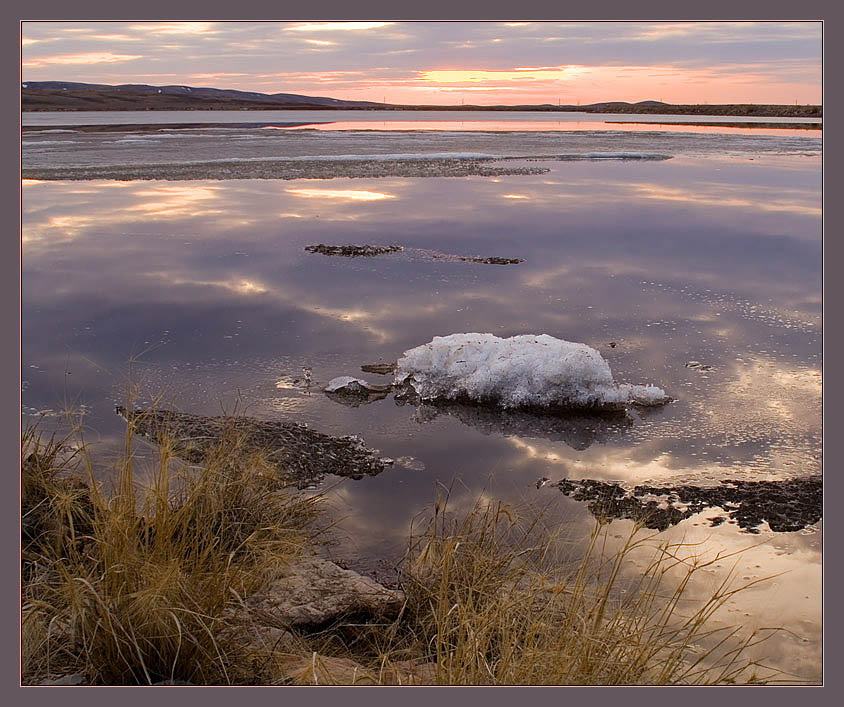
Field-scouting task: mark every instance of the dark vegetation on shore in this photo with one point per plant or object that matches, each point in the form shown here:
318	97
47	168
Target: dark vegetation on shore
150	582
66	96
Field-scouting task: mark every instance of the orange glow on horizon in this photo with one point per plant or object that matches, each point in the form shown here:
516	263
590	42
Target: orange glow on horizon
479	76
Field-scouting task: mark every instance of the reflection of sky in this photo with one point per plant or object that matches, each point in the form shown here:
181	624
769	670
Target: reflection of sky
154	145
328	118
211	281
547	125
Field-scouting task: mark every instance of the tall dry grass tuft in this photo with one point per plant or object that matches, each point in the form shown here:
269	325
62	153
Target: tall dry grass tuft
487	607
133	586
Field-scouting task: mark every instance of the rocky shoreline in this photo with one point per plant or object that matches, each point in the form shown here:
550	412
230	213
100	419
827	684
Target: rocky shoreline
786	506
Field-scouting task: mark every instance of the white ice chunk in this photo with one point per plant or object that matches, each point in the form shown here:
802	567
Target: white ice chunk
645	394
526	370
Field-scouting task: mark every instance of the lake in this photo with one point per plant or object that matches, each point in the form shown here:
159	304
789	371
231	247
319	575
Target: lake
690	259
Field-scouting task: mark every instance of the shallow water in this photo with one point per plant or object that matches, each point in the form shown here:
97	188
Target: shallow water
711	259
365	116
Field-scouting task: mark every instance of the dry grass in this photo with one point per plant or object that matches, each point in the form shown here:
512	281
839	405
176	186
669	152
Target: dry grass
132	587
138	585
487	606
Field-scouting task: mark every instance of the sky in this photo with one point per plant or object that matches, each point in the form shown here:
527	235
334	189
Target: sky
483	63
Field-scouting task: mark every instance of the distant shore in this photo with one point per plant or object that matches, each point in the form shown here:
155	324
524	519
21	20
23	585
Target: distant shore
72	101
722	124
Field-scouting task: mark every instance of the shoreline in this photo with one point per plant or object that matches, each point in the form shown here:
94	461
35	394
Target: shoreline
147	103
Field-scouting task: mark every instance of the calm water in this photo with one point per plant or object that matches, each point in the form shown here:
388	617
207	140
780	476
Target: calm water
712	259
452	118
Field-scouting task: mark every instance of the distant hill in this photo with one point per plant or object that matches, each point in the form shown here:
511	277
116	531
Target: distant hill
65	95
69	96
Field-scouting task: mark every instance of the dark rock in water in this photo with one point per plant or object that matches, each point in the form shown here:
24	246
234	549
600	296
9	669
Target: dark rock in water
786	505
382	369
455	258
354	251
354	392
493	260
697	366
302	456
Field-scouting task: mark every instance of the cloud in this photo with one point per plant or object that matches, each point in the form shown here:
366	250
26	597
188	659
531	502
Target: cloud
214	77
177	27
114	37
332	26
87	58
765	62
477	76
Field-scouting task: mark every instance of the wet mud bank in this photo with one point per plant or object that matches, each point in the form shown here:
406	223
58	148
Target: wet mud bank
370	251
353	251
283	169
301	456
786	506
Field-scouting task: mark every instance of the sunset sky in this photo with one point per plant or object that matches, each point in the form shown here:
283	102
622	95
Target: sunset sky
444	62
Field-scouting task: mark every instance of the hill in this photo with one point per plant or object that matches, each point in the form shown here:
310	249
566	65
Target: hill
63	95
70	96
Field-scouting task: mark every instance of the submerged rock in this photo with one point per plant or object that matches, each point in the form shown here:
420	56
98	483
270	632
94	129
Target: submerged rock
301	456
411	463
354	251
535	371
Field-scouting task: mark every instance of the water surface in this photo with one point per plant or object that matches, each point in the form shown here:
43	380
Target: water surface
715	259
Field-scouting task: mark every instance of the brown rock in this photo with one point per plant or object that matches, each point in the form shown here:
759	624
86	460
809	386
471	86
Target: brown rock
314	592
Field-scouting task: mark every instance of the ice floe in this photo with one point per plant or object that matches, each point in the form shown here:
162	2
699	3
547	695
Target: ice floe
520	371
